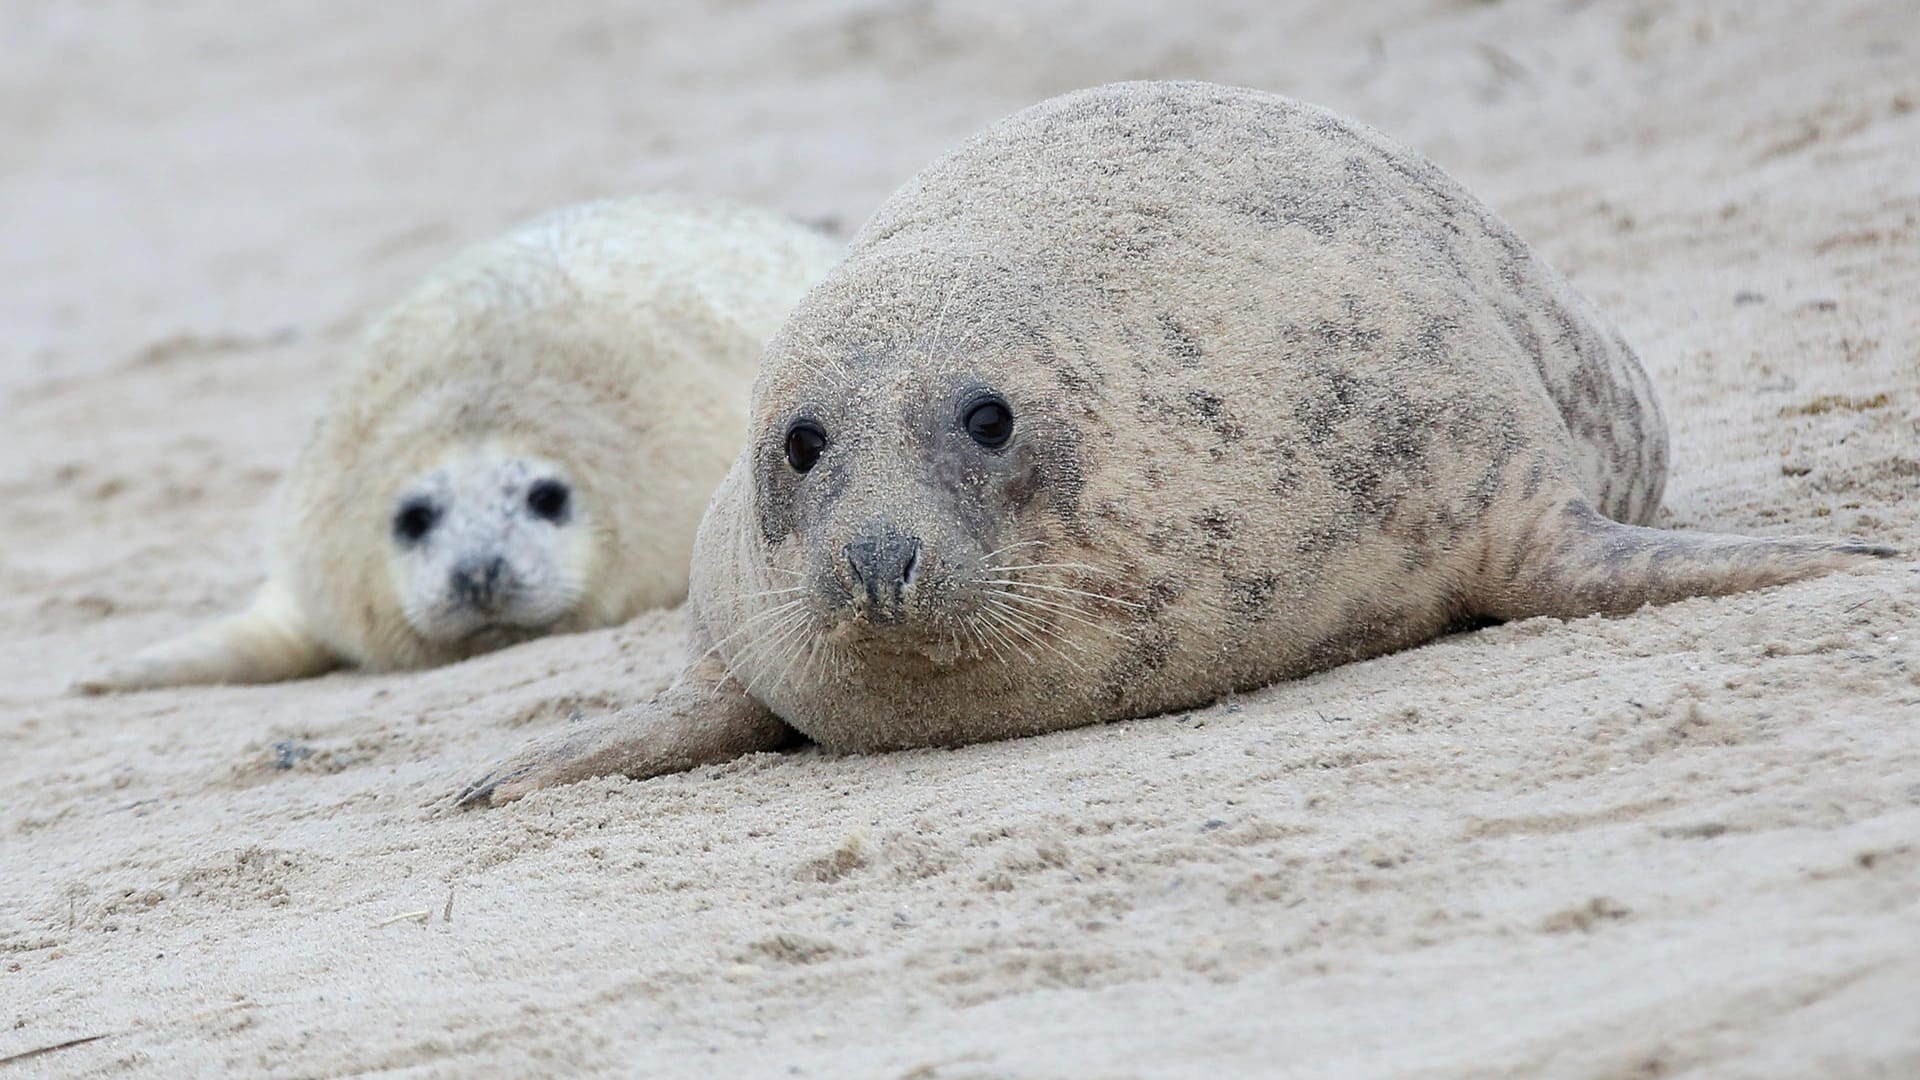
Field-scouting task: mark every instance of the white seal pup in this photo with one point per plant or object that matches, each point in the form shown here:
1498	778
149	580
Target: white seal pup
1149	394
522	446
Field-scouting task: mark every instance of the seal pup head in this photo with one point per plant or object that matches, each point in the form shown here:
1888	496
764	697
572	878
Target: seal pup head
489	547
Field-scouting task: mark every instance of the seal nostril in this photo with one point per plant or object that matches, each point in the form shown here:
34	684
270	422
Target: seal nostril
912	569
884	562
478	582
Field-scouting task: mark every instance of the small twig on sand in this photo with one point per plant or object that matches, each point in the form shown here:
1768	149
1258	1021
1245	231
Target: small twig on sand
70	1043
421	916
447	915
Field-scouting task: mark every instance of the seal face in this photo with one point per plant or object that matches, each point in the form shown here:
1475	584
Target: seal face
933	530
1147	394
523	445
489	545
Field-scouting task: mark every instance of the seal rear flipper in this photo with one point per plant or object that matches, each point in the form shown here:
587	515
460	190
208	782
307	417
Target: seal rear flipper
268	642
704	717
1578	562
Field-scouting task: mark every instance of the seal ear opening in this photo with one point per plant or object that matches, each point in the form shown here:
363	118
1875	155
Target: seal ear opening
268	642
1576	562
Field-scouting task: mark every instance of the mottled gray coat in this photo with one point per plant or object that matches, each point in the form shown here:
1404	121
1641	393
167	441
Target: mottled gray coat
1284	395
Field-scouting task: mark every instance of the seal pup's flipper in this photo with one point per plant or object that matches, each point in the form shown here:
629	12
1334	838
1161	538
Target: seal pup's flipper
268	642
703	717
1578	562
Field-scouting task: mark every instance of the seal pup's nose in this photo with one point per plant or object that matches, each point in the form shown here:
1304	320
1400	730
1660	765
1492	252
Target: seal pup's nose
884	561
479	582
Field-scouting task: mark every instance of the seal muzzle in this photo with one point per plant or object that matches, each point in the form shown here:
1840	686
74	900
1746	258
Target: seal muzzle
884	561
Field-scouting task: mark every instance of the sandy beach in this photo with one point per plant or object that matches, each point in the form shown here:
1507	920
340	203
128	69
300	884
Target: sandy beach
1684	842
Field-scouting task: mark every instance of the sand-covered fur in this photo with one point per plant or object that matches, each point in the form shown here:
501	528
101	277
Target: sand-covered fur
522	445
1151	393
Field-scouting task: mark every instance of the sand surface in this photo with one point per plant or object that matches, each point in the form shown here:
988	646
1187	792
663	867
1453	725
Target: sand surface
1681	842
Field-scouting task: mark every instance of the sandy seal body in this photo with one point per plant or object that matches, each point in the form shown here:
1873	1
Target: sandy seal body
522	446
1151	393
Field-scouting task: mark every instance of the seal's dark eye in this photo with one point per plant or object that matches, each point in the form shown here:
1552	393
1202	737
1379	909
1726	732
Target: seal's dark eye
414	520
805	440
990	423
548	499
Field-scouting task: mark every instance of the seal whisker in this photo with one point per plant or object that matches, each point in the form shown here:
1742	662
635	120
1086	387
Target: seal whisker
1065	611
1088	567
982	644
992	623
772	592
1065	657
1040	634
757	617
975	629
820	657
1102	597
771	644
778	635
1037	619
779	641
987	559
794	645
1013	635
749	624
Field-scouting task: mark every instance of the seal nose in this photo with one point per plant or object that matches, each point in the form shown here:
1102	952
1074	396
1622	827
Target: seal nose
479	582
884	562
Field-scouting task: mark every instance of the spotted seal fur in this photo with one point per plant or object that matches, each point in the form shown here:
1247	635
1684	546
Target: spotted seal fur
1148	394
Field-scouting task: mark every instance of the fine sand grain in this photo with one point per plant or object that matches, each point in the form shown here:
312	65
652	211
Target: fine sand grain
1681	842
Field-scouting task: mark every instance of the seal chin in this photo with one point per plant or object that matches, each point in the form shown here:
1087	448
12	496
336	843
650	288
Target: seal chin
497	634
470	637
893	641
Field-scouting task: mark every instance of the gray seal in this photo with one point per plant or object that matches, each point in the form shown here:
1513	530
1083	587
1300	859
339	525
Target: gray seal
1148	394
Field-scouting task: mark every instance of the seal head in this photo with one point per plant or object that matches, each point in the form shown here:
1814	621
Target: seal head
488	547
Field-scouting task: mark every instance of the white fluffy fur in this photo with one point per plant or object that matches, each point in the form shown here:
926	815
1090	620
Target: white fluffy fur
616	340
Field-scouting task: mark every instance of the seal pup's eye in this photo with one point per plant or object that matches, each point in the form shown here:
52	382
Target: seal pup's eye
548	500
805	440
414	520
990	423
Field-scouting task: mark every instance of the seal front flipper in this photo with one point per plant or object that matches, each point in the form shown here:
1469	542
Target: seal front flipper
1577	562
704	717
268	642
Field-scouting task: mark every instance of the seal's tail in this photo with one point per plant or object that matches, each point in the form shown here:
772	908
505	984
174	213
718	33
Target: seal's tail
267	642
1582	563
